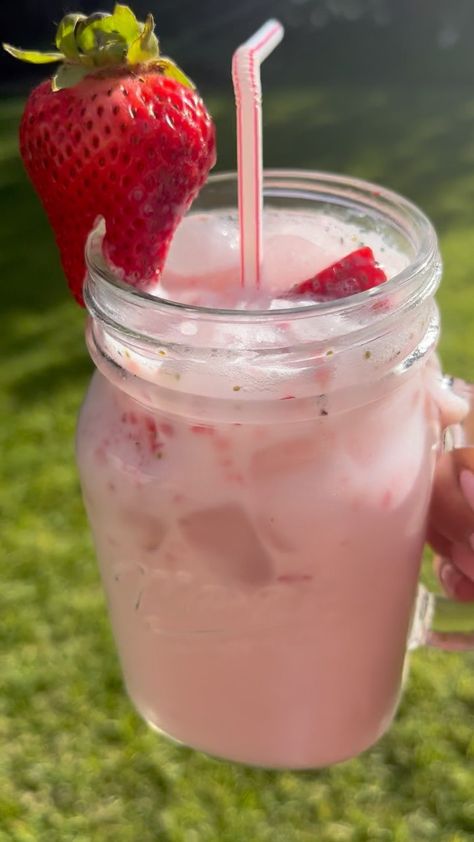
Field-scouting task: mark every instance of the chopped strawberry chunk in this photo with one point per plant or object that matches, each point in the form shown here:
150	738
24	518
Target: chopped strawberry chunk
356	272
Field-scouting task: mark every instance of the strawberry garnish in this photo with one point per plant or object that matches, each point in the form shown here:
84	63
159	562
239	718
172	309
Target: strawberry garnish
356	272
119	133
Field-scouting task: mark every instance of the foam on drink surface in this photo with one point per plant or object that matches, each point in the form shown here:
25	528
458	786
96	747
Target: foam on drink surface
237	352
203	266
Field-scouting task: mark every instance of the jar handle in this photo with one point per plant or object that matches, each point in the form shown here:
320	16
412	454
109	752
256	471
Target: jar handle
439	621
442	623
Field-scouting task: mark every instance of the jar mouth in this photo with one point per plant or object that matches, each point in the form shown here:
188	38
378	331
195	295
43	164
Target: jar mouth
394	209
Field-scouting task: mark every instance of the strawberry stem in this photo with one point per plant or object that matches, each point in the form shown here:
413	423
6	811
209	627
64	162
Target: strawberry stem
88	43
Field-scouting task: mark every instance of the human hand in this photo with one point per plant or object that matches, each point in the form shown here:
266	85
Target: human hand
451	516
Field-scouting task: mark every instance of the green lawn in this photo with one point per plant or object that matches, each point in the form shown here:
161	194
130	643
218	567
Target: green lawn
76	763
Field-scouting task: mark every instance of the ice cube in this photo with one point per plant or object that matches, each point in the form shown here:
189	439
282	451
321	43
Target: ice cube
290	259
138	532
226	543
284	457
204	254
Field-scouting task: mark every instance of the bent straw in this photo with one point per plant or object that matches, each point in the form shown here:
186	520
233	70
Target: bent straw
248	97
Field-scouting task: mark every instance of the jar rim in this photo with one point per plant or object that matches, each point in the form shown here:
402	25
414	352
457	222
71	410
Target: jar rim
361	193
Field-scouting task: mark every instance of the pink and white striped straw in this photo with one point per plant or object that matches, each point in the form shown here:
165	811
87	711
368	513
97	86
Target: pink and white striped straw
248	97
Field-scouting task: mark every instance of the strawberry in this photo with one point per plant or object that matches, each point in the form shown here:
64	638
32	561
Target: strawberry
119	133
356	272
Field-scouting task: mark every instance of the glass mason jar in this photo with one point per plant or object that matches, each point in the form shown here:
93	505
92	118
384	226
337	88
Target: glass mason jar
257	484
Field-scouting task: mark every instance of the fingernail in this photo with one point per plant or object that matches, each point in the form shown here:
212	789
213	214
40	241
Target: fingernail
463	559
466	481
450	577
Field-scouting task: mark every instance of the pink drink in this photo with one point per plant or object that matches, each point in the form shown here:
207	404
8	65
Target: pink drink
258	484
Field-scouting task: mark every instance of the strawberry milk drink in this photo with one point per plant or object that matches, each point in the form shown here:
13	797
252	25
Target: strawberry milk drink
257	446
257	480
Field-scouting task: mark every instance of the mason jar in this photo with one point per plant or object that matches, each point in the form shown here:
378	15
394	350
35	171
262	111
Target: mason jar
258	483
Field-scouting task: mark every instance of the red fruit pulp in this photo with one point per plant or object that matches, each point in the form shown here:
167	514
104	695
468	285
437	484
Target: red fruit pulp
356	272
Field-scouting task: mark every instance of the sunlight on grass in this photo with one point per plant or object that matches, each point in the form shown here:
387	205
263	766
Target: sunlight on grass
77	763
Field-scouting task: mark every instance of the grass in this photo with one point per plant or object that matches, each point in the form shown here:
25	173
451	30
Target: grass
76	762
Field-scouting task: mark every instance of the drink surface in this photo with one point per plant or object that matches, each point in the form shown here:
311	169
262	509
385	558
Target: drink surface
261	565
203	266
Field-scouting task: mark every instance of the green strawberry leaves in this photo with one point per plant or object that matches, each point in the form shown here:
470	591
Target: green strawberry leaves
33	56
86	43
69	75
66	36
101	35
121	25
172	71
145	46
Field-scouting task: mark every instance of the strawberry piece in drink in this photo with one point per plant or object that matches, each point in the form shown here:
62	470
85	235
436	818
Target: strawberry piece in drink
356	272
121	133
